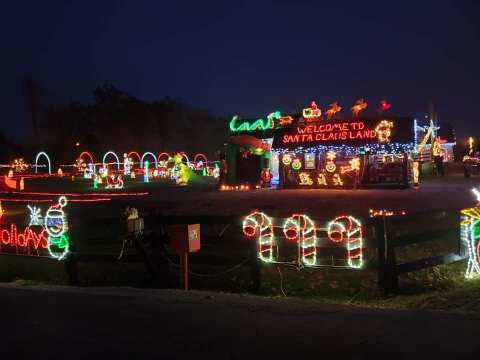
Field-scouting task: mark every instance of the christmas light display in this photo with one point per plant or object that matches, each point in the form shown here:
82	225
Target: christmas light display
236	125
343	231
301	228
148	153
48	233
88	155
131	154
114	155
146	175
383	106
200	158
114	182
259	225
384	131
163	155
286	159
305	179
470	236
19	165
359	106
312	112
127	165
334	108
347	229
45	155
296	164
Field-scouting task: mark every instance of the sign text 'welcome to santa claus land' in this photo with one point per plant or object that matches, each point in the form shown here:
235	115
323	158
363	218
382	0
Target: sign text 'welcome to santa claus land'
330	132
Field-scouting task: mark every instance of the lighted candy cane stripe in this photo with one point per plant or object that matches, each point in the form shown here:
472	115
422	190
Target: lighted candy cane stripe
349	229
261	223
143	157
470	235
44	154
301	228
114	155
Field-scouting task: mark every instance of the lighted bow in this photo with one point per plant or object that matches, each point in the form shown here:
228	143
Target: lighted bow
334	108
359	106
383	106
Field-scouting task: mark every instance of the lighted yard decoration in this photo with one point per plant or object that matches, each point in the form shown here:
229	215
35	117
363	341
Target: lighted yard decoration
383	106
344	231
45	155
470	236
359	106
19	165
105	156
152	155
332	110
312	112
45	235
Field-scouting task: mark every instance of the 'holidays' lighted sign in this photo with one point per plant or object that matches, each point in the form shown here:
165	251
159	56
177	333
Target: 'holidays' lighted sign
45	235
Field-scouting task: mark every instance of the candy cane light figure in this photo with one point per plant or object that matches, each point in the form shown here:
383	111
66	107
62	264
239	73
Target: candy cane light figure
301	228
346	228
259	225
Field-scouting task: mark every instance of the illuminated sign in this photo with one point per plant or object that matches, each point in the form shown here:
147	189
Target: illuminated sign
44	236
273	120
348	132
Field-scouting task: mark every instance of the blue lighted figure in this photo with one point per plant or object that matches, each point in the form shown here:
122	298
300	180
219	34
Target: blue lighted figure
145	171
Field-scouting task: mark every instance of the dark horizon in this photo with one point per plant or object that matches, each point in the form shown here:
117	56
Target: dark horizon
247	58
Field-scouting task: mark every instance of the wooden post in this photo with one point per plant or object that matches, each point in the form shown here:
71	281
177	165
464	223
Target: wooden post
387	267
184	270
256	269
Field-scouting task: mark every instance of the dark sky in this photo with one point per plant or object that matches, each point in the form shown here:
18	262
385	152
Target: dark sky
246	57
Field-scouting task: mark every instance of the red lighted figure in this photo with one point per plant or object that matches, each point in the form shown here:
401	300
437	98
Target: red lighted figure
265	177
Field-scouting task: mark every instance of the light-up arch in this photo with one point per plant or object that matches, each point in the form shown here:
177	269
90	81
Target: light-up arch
145	154
87	154
186	157
129	155
199	157
116	158
48	161
163	154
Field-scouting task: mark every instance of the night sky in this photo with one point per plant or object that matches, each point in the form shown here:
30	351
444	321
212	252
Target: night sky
246	57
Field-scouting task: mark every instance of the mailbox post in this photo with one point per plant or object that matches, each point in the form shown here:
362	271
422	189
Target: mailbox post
184	239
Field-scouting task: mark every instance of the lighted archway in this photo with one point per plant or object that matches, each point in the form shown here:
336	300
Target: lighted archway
197	157
185	156
129	155
145	154
163	154
48	161
87	154
116	158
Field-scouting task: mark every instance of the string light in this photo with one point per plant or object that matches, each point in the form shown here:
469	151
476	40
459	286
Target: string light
259	124
312	112
296	164
305	179
359	106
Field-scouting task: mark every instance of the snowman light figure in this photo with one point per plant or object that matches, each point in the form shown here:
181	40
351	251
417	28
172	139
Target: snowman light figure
56	226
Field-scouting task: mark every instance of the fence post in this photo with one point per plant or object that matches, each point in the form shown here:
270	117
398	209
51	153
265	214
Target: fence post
255	269
387	267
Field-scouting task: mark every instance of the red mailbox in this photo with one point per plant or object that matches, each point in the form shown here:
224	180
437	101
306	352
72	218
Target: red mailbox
184	238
